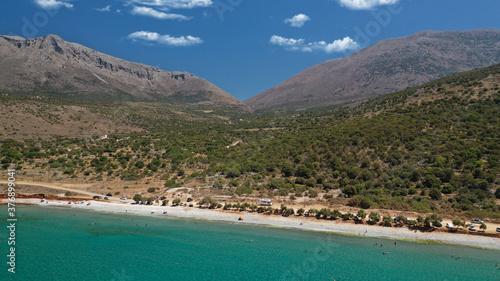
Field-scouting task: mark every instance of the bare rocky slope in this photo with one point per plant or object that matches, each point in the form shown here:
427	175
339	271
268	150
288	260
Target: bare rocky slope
387	66
50	66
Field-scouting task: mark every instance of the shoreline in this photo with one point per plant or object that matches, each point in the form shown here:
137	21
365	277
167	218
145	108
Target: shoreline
302	223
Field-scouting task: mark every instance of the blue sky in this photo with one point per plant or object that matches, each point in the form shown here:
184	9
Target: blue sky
242	46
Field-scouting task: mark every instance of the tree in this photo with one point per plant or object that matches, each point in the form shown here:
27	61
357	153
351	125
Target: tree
374	217
387	220
137	198
243	189
176	202
482	227
312	212
287	169
253	207
287	212
427	221
335	214
180	172
402	219
164	202
68	171
207	201
313	193
434	219
361	214
304	172
420	221
300	211
347	216
218	184
151	189
365	203
456	222
435	194
234	173
448	189
323	213
349	190
169	183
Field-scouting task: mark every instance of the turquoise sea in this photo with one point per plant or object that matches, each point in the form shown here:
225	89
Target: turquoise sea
68	244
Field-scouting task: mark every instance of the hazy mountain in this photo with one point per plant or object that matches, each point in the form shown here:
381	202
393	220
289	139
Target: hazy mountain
50	66
387	66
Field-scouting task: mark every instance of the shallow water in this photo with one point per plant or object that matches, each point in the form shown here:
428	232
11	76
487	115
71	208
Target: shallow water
68	244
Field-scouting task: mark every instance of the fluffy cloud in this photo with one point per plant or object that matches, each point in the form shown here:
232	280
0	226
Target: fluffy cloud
105	9
53	4
341	45
176	4
297	20
287	42
365	4
149	12
168	40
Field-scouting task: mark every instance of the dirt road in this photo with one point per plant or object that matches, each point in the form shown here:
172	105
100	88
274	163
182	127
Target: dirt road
61	188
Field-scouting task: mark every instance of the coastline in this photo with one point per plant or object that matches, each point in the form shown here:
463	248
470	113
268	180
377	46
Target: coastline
303	223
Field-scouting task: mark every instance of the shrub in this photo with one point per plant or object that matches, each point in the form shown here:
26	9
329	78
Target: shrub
447	189
169	183
137	198
313	193
435	194
374	216
68	171
243	189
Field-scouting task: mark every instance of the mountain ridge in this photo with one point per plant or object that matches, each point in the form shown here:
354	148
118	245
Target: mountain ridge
387	66
51	66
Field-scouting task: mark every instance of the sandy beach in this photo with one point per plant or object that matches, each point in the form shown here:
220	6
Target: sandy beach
278	221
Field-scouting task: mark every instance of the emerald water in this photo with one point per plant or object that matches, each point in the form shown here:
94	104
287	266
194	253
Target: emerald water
68	244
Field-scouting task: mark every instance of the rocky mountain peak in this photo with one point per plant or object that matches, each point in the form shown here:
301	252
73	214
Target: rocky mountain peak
387	66
72	70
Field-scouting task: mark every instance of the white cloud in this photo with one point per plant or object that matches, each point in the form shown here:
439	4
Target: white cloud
105	9
176	4
168	40
53	4
297	20
365	4
150	12
290	44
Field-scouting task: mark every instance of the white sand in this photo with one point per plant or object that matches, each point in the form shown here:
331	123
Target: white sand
279	221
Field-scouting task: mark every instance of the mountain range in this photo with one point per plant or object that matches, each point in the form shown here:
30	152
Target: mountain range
50	66
387	66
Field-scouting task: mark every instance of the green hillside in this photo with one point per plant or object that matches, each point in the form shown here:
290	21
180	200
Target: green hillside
432	148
